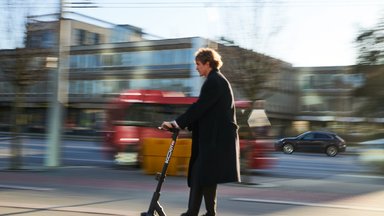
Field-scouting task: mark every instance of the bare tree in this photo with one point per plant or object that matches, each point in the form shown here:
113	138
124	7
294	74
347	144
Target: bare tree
249	71
20	68
370	44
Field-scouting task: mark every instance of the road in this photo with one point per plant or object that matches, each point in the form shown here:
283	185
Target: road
86	184
90	153
78	152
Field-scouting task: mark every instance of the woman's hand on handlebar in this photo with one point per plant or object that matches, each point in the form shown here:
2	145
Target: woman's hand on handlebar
166	125
172	125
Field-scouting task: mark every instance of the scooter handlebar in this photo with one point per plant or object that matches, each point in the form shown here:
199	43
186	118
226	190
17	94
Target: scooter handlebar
173	129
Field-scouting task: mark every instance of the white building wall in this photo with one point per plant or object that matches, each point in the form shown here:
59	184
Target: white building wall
195	80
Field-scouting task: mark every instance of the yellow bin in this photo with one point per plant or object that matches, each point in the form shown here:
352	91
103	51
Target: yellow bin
154	151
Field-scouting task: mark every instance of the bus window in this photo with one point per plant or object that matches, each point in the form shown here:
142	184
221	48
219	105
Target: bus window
150	115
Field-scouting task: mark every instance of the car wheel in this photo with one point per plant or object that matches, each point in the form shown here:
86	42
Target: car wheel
288	148
331	151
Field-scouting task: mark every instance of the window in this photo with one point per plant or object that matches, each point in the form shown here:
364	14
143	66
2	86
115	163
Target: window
34	41
152	114
80	37
73	61
96	38
127	59
81	61
93	61
308	136
322	136
111	60
48	39
157	57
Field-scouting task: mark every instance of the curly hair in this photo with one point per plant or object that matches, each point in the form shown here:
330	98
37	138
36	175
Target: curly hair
205	55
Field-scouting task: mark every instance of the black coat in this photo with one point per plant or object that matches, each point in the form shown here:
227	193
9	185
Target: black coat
215	142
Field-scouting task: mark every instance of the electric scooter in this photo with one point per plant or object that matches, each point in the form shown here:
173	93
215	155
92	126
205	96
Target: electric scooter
155	206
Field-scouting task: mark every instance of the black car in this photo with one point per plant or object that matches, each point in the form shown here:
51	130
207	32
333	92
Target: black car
312	141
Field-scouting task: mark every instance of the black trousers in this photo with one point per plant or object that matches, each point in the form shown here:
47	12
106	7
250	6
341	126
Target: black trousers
196	194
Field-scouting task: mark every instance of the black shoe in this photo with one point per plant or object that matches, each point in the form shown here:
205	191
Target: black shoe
184	214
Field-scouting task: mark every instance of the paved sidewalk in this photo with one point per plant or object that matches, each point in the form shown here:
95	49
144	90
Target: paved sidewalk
80	191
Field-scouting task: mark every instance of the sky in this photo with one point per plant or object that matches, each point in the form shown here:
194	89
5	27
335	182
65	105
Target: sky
300	32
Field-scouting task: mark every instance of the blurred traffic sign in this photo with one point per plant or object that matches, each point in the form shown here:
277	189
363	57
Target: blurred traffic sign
258	118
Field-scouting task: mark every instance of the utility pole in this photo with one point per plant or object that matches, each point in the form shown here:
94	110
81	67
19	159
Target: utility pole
59	98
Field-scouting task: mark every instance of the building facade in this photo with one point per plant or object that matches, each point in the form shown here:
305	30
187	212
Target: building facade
327	101
102	62
105	59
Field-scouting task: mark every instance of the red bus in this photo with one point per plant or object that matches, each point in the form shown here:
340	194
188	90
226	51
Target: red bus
136	114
